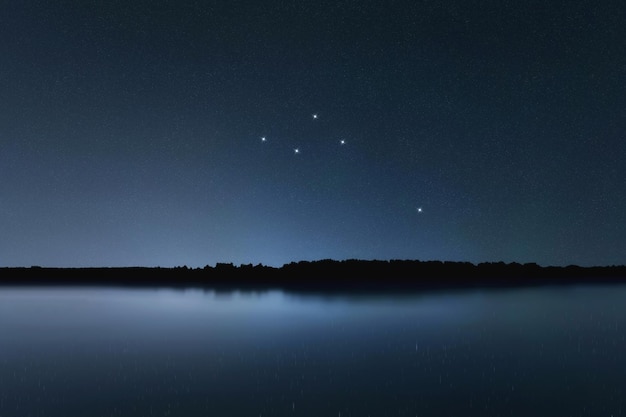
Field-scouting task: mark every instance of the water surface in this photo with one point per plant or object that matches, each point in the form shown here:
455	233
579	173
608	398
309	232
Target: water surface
159	352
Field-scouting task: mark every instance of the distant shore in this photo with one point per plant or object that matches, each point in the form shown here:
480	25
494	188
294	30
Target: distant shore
323	275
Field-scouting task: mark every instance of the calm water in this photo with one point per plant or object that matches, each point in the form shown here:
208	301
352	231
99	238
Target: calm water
136	352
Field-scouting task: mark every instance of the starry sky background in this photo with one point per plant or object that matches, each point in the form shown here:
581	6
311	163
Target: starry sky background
130	131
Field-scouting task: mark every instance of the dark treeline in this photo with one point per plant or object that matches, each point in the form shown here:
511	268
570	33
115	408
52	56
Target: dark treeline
324	276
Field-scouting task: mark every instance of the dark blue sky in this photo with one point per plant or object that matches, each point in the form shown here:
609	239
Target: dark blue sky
130	132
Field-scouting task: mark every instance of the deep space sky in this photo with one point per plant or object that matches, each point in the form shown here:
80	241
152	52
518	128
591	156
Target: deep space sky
168	133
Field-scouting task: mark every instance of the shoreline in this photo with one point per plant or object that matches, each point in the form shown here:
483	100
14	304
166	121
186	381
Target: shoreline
322	276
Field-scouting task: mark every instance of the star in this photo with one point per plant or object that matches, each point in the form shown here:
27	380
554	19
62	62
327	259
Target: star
419	209
263	139
315	115
296	150
342	142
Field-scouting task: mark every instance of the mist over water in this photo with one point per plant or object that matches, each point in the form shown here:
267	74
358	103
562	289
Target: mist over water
142	352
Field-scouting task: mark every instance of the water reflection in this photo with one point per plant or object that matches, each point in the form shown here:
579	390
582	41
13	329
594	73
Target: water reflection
137	352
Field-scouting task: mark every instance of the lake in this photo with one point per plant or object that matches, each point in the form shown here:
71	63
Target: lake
159	352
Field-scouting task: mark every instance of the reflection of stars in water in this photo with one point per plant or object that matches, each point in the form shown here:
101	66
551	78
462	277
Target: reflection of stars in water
296	150
419	209
342	142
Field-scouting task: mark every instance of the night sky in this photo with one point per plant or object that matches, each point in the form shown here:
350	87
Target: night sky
131	132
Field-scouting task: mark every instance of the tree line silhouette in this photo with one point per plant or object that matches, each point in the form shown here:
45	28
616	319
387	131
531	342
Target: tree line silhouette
324	275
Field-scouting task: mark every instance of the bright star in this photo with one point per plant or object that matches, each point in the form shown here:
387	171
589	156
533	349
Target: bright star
419	209
315	116
263	139
342	142
296	150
